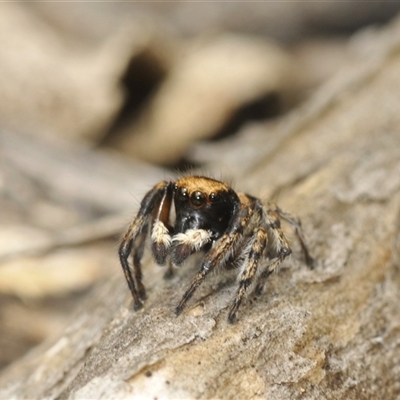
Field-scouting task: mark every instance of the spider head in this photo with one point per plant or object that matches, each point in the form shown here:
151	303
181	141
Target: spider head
203	203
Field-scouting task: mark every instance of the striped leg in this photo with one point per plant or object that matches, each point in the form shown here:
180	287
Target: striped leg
136	262
219	253
136	231
250	270
269	269
125	250
296	224
282	248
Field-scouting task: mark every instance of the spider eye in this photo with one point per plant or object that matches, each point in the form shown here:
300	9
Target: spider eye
182	194
198	198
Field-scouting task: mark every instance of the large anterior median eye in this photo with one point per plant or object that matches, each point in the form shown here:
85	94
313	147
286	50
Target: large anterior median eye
197	198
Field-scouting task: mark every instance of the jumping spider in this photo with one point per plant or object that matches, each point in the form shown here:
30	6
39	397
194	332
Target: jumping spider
235	230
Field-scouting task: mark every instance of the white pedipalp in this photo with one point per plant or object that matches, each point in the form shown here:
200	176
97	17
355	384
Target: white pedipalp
195	238
160	234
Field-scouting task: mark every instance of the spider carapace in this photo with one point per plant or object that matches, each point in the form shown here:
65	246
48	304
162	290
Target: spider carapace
234	230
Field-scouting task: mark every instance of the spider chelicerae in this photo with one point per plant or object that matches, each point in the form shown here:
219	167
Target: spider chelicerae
235	230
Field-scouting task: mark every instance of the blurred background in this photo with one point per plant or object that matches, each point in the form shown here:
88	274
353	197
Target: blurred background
99	101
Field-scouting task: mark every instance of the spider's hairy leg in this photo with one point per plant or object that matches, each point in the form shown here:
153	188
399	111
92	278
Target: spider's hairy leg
281	251
125	250
261	281
296	224
258	245
129	242
138	251
218	254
